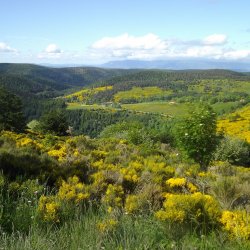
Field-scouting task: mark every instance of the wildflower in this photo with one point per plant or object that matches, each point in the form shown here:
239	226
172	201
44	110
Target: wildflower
236	223
48	208
190	208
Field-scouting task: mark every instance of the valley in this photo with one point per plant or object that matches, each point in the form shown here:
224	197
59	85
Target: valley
157	154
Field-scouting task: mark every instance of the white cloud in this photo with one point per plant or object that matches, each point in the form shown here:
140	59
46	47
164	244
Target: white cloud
151	46
237	54
53	49
203	51
4	48
127	46
215	39
146	47
125	41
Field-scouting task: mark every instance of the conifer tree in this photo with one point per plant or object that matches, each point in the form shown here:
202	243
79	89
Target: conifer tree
11	115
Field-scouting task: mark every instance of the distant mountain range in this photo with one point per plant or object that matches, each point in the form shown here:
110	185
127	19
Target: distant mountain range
179	64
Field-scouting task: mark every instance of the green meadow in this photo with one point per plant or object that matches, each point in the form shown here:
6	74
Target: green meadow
160	107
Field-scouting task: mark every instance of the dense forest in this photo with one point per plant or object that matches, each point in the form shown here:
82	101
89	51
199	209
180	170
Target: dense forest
36	84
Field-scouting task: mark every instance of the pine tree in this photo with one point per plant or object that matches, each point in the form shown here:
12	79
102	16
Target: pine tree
11	115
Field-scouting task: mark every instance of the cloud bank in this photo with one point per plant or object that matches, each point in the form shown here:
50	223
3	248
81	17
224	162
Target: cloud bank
128	47
151	46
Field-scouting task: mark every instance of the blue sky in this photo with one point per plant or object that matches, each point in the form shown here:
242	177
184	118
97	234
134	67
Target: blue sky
96	31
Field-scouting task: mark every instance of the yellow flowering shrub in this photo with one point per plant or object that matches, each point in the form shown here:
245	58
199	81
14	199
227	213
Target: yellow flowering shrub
98	179
22	140
27	142
180	184
197	209
158	168
136	165
176	182
191	171
84	94
239	126
59	153
49	209
237	224
107	225
139	93
130	175
132	204
73	190
98	154
114	196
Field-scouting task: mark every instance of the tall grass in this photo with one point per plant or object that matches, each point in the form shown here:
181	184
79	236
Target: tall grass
131	233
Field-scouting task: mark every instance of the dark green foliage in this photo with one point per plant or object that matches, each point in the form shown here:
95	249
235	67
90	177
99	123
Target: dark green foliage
196	134
11	115
36	84
38	107
37	79
92	122
16	163
133	132
54	122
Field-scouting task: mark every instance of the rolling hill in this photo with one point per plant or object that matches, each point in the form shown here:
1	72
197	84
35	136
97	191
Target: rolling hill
33	79
163	85
37	84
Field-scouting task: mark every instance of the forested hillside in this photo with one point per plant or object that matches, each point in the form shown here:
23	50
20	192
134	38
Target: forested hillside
213	85
54	78
35	84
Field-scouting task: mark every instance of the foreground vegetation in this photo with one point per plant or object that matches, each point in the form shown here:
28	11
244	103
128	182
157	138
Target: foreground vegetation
127	195
126	189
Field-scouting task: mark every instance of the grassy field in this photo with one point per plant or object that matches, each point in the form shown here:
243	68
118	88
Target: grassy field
166	108
75	105
141	93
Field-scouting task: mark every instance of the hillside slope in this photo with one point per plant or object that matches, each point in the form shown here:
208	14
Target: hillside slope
184	85
32	79
36	84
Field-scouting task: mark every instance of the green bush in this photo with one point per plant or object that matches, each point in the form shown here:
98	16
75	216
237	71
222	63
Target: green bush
196	134
233	150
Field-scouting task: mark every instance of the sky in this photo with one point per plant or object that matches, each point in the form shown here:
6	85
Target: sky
97	31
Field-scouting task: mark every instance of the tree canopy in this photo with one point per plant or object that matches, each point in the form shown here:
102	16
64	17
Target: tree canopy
196	134
54	122
11	115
